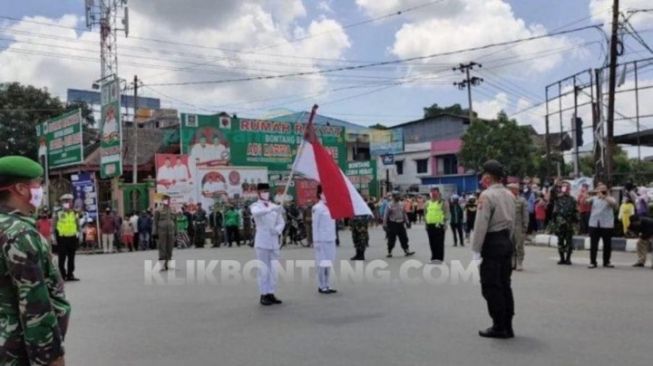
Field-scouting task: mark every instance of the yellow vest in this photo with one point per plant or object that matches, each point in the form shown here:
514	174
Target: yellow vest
67	224
434	212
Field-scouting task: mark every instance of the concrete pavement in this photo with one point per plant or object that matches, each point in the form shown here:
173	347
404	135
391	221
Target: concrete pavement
566	315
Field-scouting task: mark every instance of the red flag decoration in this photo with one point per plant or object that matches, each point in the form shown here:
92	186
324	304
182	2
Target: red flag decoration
315	162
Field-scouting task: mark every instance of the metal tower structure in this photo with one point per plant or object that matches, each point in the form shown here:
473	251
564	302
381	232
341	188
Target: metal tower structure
105	14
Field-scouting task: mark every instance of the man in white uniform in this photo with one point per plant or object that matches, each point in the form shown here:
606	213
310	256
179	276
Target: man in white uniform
180	171
165	176
268	218
324	241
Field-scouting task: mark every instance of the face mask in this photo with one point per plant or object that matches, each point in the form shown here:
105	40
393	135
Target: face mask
166	202
37	197
66	205
265	196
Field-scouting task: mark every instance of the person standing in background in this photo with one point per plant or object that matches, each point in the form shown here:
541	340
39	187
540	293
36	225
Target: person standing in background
199	226
643	227
360	235
540	212
601	224
436	215
133	220
563	220
127	232
144	230
44	225
521	227
395	222
108	230
456	221
232	225
626	210
470	215
420	208
164	227
67	236
216	223
584	209
182	239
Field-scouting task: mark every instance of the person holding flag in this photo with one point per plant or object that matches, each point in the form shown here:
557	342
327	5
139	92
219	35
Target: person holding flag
269	221
324	241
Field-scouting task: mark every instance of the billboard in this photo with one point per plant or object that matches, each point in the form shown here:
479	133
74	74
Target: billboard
207	184
362	175
110	130
60	140
85	196
386	141
173	177
213	140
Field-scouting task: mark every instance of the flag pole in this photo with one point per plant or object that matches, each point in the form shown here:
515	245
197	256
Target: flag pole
299	151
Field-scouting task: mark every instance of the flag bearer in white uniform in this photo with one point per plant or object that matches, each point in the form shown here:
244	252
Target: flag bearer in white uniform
268	218
324	241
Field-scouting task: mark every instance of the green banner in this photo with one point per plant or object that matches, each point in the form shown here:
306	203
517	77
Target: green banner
222	140
60	139
111	131
362	175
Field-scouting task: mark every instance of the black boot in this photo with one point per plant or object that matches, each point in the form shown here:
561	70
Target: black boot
492	332
362	256
568	258
265	300
509	332
562	258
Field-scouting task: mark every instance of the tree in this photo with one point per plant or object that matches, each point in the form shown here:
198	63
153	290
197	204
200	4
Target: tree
21	109
436	110
501	139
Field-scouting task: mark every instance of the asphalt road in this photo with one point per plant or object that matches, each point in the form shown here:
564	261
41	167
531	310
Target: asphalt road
565	315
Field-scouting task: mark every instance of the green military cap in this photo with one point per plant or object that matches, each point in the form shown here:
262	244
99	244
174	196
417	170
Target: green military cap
18	168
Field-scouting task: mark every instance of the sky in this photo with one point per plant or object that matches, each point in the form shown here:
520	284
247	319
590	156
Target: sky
189	53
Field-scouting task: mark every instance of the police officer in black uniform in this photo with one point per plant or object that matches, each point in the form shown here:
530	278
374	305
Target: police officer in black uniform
492	242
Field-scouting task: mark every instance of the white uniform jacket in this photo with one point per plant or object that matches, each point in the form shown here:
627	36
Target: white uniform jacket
269	224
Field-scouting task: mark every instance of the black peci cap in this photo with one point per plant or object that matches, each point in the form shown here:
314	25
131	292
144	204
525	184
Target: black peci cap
263	187
494	168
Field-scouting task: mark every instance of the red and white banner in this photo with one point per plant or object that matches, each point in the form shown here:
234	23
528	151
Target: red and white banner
315	162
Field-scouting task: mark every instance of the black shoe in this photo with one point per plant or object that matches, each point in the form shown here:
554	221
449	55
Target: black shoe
568	262
562	261
509	332
323	291
274	299
389	255
408	253
638	265
331	291
608	265
72	278
265	300
493	333
593	265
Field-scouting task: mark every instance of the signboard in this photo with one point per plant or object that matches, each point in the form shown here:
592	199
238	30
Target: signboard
388	159
306	191
60	140
110	130
386	141
173	177
86	199
362	175
223	140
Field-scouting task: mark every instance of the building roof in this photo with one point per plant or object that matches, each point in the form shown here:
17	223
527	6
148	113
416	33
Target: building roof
150	141
320	120
644	138
438	116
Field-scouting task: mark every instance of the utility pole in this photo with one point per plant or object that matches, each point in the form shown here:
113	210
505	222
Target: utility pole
135	163
576	130
614	39
468	83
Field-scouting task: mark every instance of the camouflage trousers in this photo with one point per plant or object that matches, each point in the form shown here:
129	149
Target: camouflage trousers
360	238
518	238
565	241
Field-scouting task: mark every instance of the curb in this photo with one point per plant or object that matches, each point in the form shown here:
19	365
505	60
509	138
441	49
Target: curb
583	243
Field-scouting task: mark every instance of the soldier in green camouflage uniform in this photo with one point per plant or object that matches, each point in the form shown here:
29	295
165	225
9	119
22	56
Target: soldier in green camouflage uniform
34	312
564	217
360	236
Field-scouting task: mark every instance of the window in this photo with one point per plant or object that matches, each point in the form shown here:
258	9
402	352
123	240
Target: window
422	165
447	164
400	167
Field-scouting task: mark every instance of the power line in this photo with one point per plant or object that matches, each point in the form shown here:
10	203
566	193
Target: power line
374	64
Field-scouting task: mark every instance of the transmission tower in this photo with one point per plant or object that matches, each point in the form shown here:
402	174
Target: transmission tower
104	13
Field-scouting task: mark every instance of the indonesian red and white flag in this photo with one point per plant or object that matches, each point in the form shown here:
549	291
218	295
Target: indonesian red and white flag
315	162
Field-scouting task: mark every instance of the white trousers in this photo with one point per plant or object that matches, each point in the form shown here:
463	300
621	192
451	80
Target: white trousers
107	243
267	276
323	278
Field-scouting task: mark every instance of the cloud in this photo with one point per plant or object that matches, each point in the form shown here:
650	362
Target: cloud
236	39
601	10
325	6
459	24
489	108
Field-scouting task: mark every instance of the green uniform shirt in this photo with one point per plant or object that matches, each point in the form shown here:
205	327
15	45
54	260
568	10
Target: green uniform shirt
34	312
231	218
